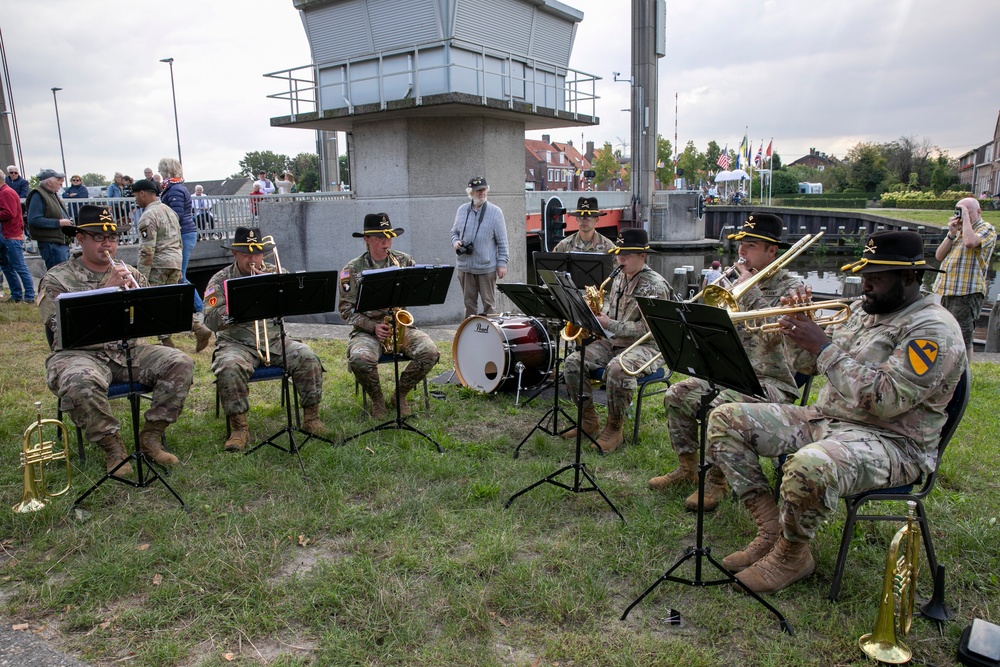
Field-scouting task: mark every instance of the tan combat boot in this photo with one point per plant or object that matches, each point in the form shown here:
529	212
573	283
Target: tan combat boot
686	472
203	336
167	342
150	438
311	423
765	515
239	433
404	405
378	409
591	423
114	453
611	437
715	490
785	564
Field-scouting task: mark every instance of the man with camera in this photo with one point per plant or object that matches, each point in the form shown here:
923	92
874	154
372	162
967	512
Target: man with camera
965	254
479	237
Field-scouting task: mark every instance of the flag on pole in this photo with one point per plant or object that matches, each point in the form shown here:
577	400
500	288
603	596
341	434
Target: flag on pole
743	154
759	158
723	160
767	156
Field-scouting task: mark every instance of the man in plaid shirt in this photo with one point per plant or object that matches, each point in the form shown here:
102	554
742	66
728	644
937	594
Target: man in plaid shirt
965	255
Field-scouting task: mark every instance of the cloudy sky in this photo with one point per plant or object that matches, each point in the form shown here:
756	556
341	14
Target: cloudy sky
820	73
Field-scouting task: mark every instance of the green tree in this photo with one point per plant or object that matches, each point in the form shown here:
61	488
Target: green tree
305	166
254	161
664	156
91	179
866	167
942	175
775	161
605	166
345	169
691	163
712	157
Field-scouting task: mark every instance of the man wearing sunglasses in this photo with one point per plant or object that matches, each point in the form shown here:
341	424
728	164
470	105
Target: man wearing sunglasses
80	377
14	180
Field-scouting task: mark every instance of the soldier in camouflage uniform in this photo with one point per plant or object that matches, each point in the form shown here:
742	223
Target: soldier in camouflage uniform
760	239
587	239
621	317
80	377
237	355
890	369
370	328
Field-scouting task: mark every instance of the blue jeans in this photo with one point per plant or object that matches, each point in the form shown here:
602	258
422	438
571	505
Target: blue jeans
189	239
53	253
22	287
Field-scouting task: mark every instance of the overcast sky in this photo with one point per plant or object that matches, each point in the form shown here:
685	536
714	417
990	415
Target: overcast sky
816	73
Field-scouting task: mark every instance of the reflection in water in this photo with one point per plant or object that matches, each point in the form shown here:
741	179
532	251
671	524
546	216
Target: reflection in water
821	272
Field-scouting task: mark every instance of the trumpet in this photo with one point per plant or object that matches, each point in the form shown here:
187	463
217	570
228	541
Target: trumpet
719	296
132	283
258	325
747	318
594	296
899	587
34	456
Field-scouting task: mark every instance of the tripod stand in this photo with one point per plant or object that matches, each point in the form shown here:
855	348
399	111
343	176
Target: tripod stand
702	340
575	310
100	316
276	295
400	287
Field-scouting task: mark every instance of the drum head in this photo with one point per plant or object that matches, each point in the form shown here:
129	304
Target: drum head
480	354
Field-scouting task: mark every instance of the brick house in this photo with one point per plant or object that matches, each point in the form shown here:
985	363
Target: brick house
979	168
815	159
549	166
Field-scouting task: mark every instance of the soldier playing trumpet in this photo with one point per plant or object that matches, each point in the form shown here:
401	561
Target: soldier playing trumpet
81	377
240	347
371	330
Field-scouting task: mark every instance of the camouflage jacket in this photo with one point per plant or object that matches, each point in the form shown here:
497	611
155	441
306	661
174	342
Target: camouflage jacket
894	372
626	320
73	276
350	279
159	239
573	243
217	314
767	351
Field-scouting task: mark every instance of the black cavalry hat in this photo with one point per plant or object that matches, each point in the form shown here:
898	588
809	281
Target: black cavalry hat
763	226
250	241
586	207
378	223
631	242
891	251
96	219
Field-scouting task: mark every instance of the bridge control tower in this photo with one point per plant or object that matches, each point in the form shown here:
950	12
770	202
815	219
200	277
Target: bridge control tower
431	93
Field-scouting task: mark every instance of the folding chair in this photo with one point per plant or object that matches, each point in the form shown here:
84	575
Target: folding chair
644	385
263	374
387	358
115	390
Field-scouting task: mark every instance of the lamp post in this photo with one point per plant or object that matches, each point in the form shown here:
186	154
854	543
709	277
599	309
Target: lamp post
173	92
59	128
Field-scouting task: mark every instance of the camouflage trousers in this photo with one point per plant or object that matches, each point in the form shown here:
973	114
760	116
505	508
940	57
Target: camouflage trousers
683	399
827	459
620	387
80	378
364	349
233	363
163	277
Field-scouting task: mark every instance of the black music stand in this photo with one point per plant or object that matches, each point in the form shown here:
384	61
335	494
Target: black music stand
402	287
585	268
575	310
110	314
702	342
535	301
278	295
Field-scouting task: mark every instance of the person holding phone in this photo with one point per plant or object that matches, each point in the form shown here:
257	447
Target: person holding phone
965	254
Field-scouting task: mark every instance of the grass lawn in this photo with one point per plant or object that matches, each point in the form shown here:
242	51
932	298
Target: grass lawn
388	553
922	216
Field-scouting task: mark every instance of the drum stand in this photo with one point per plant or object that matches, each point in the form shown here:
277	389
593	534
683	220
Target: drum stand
578	467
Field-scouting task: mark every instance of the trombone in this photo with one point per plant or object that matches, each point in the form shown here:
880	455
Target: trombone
717	295
33	460
262	324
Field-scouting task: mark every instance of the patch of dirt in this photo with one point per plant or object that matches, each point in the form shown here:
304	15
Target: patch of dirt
304	559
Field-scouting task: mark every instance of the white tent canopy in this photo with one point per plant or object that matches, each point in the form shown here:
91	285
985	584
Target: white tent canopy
734	175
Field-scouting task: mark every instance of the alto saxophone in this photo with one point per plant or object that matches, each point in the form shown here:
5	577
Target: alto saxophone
397	319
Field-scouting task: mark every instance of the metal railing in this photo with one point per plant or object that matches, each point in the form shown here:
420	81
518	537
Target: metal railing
543	84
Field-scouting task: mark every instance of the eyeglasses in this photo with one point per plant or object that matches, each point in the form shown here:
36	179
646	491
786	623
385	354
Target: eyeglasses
12	173
74	180
101	238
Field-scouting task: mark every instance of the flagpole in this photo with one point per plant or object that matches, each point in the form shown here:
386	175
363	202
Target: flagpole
770	167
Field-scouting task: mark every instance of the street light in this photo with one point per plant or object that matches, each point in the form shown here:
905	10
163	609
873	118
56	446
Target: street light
173	92
59	128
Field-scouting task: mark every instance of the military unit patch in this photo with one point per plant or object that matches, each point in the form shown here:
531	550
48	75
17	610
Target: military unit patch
212	301
922	354
345	280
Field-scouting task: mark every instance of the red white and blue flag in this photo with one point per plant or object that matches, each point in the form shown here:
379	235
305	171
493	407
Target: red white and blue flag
759	158
723	160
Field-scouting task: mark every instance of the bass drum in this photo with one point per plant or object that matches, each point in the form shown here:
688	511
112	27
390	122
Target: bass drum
487	351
